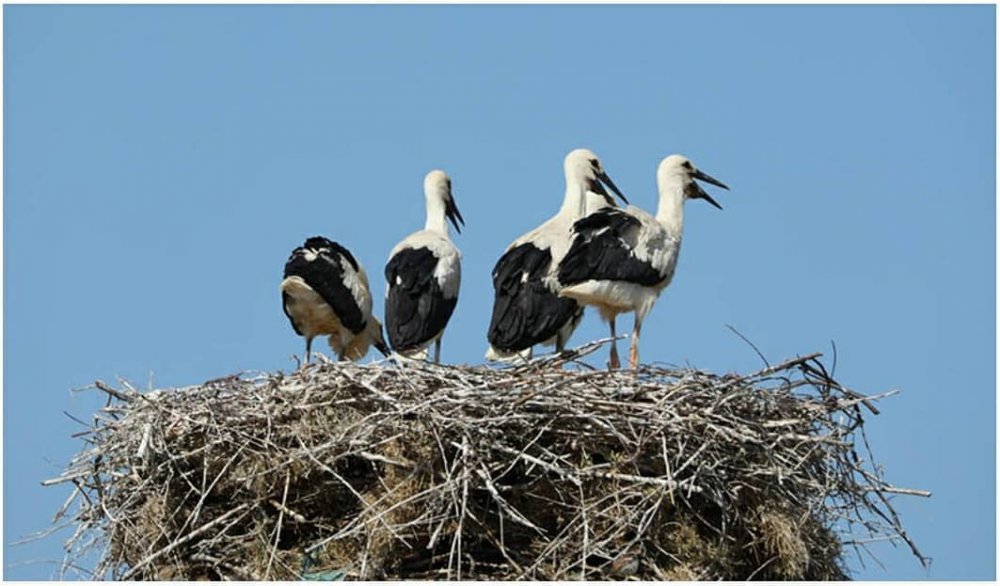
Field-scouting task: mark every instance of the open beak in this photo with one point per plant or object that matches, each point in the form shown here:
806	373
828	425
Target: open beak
702	176
611	185
455	216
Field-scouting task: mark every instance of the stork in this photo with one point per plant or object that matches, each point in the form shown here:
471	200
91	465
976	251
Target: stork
527	309
423	275
620	260
325	293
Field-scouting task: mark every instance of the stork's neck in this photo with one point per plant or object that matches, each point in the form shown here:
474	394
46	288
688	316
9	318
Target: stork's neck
670	212
574	202
435	215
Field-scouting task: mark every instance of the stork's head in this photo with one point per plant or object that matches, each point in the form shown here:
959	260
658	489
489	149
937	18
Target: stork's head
437	188
678	169
583	168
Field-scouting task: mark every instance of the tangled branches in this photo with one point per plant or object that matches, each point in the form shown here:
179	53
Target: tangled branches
392	471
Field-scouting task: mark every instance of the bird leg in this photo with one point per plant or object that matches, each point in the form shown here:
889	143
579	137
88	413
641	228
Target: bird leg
437	351
309	343
633	357
613	362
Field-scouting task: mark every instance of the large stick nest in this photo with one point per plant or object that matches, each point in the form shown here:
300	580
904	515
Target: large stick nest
542	471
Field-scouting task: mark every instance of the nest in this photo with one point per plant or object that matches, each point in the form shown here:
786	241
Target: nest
549	470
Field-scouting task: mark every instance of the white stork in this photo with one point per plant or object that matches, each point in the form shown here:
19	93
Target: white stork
423	275
527	309
325	293
620	260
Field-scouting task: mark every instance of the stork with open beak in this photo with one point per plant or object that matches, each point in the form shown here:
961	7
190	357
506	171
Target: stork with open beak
620	260
527	308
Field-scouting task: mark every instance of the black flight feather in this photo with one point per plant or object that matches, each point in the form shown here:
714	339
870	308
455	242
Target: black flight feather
525	311
602	250
416	309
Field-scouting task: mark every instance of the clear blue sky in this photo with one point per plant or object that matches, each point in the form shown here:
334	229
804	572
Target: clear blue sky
161	162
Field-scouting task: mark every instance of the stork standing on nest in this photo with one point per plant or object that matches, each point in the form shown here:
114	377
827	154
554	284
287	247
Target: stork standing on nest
620	260
325	293
423	276
527	309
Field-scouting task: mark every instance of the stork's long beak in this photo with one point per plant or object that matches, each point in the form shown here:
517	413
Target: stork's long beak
701	175
455	216
611	185
709	179
379	342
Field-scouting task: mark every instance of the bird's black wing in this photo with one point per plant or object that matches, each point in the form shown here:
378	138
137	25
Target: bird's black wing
416	309
317	262
525	311
602	249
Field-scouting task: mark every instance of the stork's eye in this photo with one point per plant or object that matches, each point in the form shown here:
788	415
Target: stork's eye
687	164
595	164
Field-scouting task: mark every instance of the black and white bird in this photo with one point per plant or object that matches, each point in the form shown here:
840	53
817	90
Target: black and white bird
325	293
423	276
527	309
620	260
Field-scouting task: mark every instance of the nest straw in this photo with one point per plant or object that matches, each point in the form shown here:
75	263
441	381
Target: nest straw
549	470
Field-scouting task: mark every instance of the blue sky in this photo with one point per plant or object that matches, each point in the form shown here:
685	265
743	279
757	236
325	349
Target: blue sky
161	162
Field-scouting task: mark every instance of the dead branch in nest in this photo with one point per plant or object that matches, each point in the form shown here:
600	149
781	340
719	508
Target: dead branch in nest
411	470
